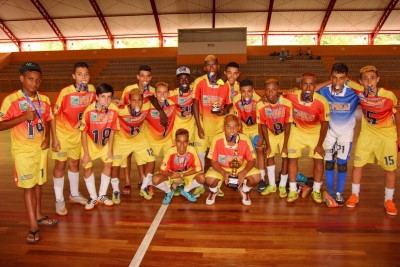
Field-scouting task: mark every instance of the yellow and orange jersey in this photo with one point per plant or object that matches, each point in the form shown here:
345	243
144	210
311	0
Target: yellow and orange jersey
99	124
146	93
184	102
27	134
307	116
131	126
377	111
223	153
233	90
275	115
247	113
69	107
174	162
154	127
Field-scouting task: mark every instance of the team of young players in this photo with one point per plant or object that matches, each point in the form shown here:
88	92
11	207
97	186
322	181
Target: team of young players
183	123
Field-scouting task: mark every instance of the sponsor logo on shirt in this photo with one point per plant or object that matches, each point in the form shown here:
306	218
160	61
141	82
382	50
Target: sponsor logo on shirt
23	105
93	116
74	100
154	113
221	158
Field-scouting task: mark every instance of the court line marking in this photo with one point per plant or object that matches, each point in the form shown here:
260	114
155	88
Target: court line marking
137	259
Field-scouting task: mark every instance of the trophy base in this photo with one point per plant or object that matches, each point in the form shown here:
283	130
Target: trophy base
233	182
215	111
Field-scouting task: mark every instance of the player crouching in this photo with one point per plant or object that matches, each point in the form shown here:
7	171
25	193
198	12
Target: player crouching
228	147
180	165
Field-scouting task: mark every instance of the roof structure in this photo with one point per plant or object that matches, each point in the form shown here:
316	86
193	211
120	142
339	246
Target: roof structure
63	20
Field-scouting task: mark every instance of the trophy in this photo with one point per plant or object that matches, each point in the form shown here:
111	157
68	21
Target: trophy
215	108
234	164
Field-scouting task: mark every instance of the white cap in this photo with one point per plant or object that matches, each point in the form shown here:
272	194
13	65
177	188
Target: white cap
183	70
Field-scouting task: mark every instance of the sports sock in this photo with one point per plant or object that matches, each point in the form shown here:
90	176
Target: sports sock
355	189
164	186
317	186
283	181
389	194
330	180
59	188
147	181
74	183
245	188
114	184
91	187
214	189
271	175
262	174
105	181
194	184
293	186
341	181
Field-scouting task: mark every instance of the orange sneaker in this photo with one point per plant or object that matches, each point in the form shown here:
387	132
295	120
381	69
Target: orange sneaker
352	201
390	207
329	201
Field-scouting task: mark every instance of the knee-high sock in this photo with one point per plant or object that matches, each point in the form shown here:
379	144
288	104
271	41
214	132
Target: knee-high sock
74	183
283	181
147	181
164	186
91	187
115	184
341	178
59	188
330	179
271	175
105	181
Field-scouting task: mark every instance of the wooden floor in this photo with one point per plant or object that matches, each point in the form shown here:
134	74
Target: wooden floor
271	232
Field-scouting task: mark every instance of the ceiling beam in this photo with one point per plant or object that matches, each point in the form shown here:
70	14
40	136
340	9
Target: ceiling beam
382	20
103	21
270	8
155	13
51	22
325	20
10	35
213	15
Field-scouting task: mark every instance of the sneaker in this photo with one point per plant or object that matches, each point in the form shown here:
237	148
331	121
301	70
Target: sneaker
116	197
339	199
105	200
168	197
78	199
150	189
390	207
126	190
282	192
261	186
145	193
211	198
220	192
189	196
91	203
269	189
316	195
198	192
293	195
352	201
330	201
245	197
305	191
61	209
178	190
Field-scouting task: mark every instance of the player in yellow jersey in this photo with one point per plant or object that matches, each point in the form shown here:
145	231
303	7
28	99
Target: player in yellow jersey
68	109
131	138
180	165
378	137
28	114
98	125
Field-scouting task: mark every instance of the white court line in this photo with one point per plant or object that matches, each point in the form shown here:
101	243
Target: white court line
137	259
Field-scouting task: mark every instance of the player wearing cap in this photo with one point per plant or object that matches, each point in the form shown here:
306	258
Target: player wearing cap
68	109
28	114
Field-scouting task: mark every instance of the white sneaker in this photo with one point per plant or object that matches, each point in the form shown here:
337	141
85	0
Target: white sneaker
91	203
245	198
78	199
105	200
61	209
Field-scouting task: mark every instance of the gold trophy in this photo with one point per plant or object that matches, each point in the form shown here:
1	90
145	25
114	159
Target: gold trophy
215	108
234	164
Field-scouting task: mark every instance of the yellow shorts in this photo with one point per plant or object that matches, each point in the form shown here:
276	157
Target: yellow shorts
96	152
71	147
214	174
201	145
139	146
159	146
299	140
276	144
186	179
188	124
385	152
250	131
30	168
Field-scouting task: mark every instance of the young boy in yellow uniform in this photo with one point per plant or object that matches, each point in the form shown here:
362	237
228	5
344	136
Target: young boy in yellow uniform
68	109
28	114
98	125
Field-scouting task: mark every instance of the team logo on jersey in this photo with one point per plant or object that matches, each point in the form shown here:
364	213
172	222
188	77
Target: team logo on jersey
93	116
268	111
176	160
154	113
128	119
74	100
205	99
26	177
1	114
23	105
221	158
181	100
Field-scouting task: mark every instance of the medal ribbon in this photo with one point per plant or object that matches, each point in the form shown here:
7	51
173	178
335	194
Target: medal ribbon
31	103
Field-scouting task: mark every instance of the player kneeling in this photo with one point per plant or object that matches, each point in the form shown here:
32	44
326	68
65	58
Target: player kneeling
180	165
99	122
132	139
226	147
